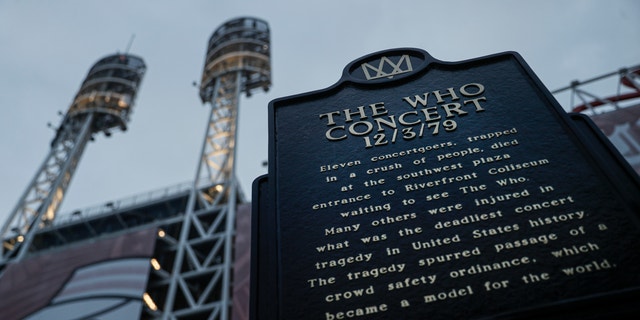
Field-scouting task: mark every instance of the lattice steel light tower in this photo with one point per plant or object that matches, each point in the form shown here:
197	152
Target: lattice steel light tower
237	61
103	104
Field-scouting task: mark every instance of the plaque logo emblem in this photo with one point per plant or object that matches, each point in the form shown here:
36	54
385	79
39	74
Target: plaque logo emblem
387	68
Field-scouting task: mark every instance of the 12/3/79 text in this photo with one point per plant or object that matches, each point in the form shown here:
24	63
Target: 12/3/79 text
378	127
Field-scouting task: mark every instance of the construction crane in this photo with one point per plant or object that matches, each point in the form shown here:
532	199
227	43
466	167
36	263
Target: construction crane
237	61
103	104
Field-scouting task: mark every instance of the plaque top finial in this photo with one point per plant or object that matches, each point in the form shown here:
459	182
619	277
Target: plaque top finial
387	65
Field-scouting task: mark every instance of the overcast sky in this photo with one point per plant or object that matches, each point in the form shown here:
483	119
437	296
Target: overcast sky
47	48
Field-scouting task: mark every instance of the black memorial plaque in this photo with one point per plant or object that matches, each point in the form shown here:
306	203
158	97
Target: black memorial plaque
415	188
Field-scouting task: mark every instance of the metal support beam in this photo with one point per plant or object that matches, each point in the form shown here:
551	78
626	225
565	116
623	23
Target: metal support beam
42	198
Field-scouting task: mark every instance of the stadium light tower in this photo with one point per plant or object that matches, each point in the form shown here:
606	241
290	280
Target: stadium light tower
103	104
237	61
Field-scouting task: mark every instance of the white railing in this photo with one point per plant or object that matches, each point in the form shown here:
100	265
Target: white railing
128	202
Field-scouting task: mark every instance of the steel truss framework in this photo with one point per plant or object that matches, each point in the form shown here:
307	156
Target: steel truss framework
196	281
199	282
584	99
102	104
192	263
39	203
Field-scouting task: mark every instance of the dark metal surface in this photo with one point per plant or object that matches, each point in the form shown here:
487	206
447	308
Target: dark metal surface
510	210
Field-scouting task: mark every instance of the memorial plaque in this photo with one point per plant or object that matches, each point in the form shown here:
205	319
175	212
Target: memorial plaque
415	188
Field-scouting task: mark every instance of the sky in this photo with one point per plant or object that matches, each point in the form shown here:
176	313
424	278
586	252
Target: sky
47	48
